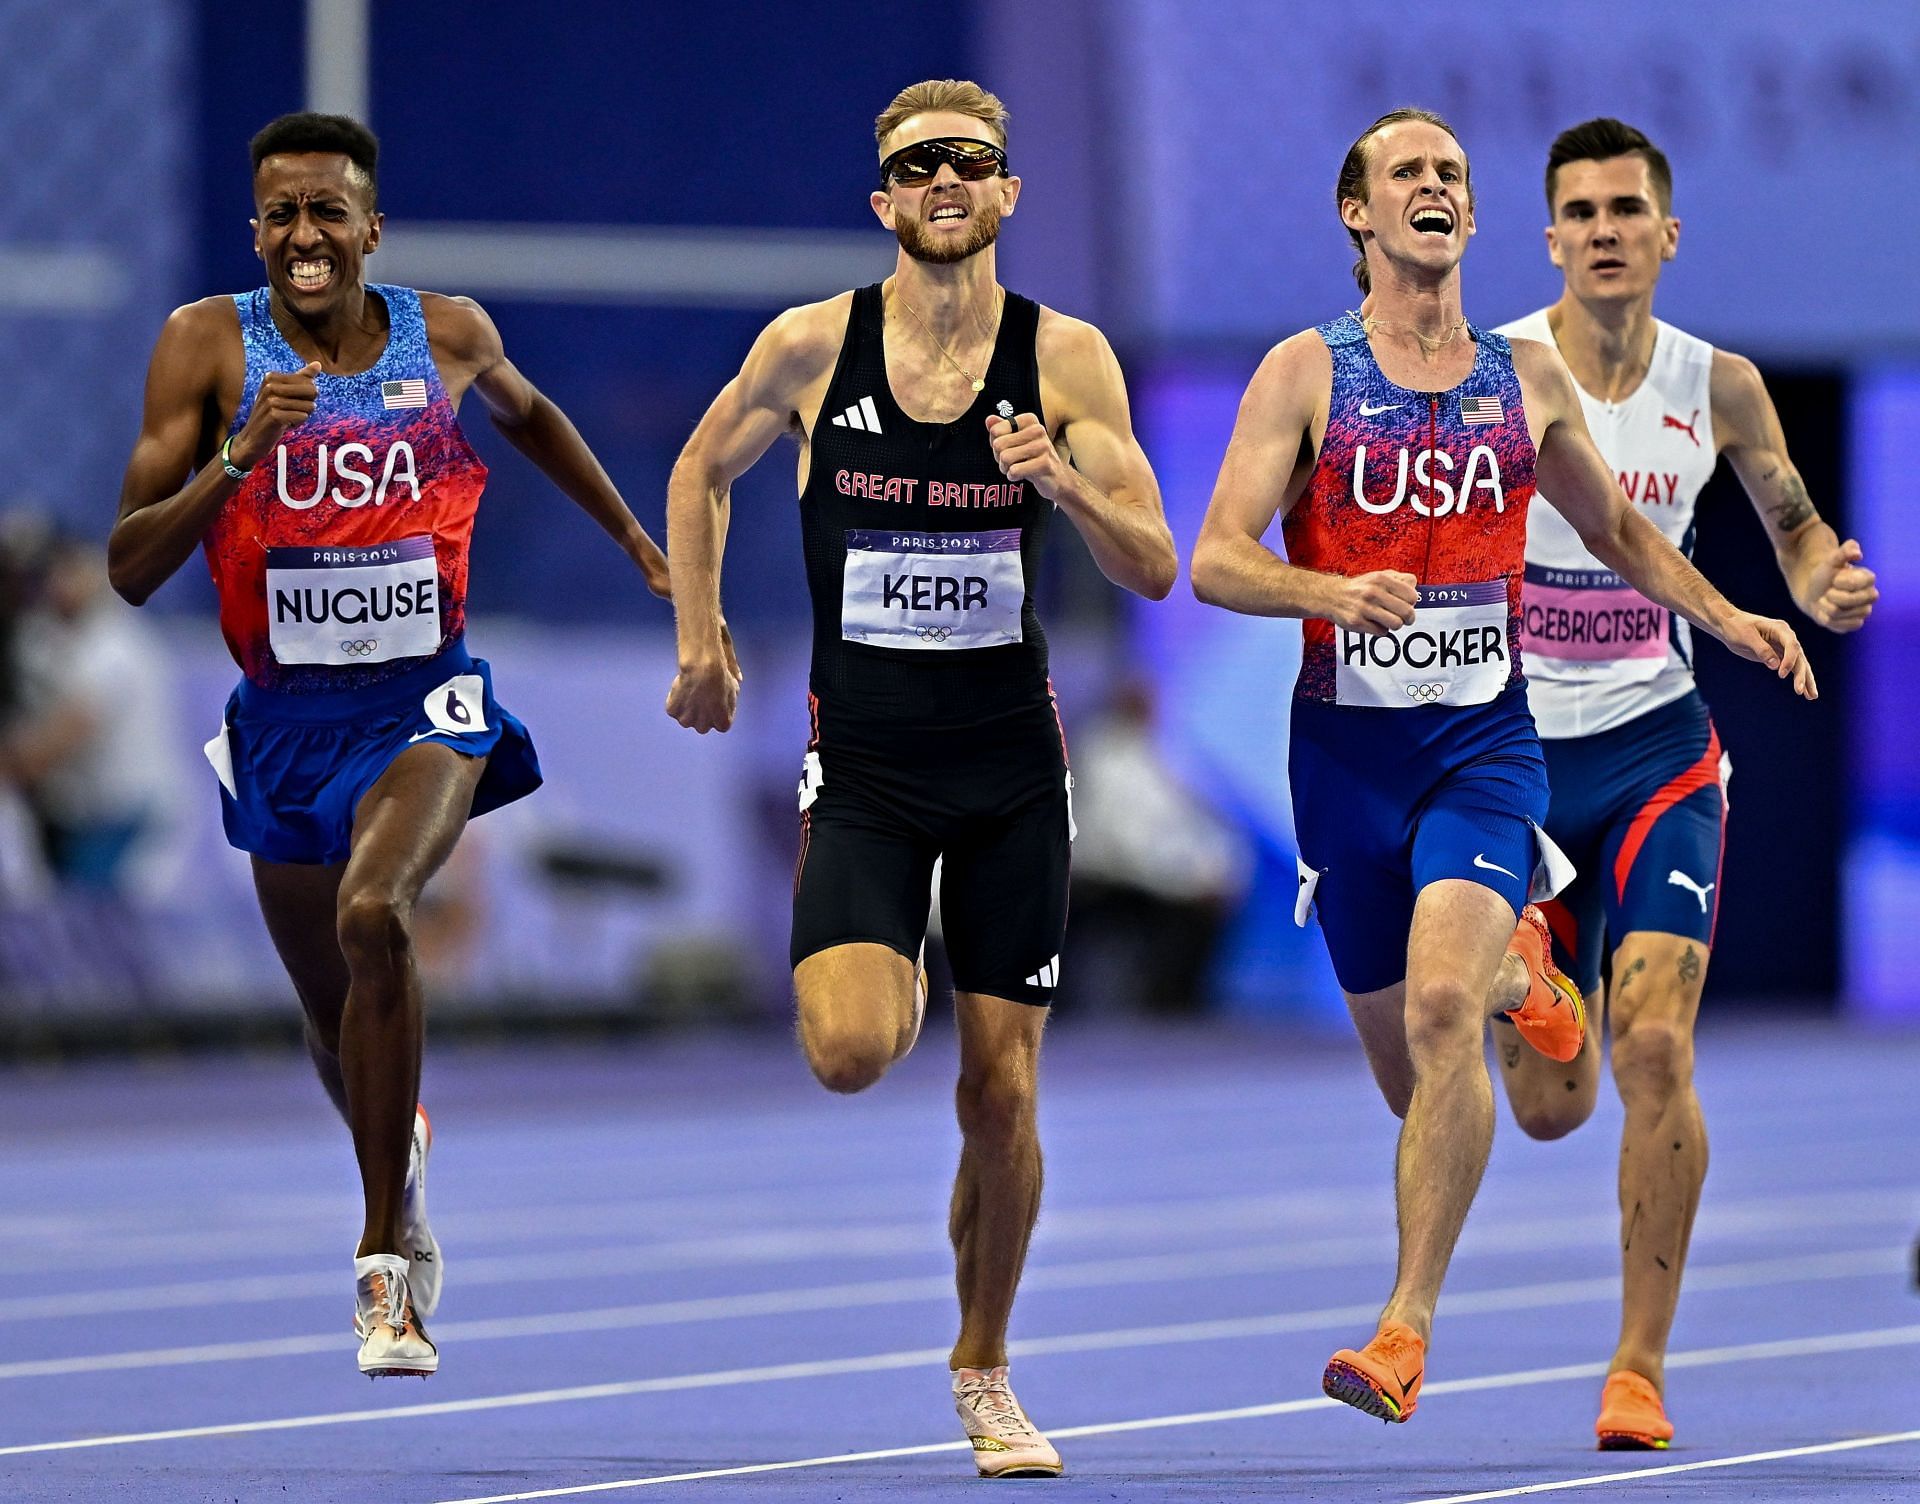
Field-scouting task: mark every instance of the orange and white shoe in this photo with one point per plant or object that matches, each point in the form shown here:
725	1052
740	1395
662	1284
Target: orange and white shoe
1005	1443
393	1340
1632	1418
1384	1377
1553	1017
425	1266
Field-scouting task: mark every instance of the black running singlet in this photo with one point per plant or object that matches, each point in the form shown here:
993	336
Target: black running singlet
921	555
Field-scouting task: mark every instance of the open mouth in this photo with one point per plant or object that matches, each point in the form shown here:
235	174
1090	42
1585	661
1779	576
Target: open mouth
311	275
1432	222
947	214
1609	264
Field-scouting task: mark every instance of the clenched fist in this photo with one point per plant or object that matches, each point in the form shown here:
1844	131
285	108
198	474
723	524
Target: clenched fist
1377	603
285	400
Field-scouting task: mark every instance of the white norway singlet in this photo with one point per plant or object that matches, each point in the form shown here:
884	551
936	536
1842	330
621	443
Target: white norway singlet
1597	652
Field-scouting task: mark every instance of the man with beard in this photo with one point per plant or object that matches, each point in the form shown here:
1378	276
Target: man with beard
305	434
1400	445
940	421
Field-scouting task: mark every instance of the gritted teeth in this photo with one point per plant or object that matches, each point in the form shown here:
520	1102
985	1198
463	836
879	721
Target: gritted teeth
946	213
313	273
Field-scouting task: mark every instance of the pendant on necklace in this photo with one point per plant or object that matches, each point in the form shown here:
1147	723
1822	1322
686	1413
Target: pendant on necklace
979	385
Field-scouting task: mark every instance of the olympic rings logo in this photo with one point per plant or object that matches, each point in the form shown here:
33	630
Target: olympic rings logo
1425	694
935	634
360	648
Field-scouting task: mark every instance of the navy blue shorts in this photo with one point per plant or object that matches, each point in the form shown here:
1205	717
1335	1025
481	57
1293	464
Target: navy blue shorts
1642	810
1387	801
294	768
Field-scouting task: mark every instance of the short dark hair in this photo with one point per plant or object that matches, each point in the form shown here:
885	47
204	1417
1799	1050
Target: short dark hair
1352	182
1600	140
307	130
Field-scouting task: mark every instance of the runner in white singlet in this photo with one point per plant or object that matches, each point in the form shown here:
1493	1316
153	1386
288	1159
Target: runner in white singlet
1637	774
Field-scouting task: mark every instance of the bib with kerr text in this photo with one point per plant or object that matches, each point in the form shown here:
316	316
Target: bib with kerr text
354	605
1591	624
932	590
1454	653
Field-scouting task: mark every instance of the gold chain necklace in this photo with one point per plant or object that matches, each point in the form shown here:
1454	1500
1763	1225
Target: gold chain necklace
977	383
1368	324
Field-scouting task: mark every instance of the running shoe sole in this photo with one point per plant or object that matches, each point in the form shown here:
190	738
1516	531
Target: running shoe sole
1347	1384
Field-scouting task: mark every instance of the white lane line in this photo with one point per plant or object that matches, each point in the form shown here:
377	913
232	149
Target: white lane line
1091	1274
1078	1342
1852	1443
1732	1219
1700	1357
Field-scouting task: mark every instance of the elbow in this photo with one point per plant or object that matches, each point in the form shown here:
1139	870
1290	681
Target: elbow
1204	576
1160	576
131	589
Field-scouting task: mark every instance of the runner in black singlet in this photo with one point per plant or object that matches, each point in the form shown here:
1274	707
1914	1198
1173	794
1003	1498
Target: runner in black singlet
941	420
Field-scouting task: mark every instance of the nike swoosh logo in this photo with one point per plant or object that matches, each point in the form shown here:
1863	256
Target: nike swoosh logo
422	735
1480	860
1369	410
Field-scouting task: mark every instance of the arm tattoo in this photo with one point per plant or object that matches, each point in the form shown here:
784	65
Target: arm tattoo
1690	965
1793	509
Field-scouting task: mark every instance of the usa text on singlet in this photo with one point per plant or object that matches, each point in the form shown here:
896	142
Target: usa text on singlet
1434	484
341	560
920	553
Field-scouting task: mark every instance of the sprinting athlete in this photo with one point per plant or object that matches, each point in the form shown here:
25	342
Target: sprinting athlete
1637	771
305	435
940	422
1401	445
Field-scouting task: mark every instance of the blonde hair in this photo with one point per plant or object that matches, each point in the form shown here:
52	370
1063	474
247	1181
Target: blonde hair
957	96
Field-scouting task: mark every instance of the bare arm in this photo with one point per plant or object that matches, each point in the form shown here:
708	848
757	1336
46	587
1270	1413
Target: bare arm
1097	474
792	355
1260	479
1825	575
466	344
1583	489
166	506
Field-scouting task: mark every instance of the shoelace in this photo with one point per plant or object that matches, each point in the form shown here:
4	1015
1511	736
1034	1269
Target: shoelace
995	1404
392	1295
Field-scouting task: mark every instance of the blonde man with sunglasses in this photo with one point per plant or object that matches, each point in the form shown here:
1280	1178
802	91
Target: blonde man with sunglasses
940	422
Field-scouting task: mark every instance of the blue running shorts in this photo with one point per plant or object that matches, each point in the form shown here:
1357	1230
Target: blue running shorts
1387	801
294	767
1642	811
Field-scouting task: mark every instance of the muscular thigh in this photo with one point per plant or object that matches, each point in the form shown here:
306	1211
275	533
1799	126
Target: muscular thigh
1003	899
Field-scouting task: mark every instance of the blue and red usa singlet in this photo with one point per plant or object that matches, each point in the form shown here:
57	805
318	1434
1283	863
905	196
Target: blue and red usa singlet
1432	483
341	560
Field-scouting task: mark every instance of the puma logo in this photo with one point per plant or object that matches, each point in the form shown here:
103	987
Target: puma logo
1679	879
1667	420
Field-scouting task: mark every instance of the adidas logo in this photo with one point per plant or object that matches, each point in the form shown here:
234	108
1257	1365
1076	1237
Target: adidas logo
1046	976
861	415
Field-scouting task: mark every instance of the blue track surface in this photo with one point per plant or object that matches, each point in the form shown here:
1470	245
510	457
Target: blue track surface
680	1258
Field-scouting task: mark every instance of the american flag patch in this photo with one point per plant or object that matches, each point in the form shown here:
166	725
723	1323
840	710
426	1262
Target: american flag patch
403	394
1477	410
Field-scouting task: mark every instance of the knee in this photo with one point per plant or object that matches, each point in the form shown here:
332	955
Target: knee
996	1103
373	930
845	1059
1652	1060
1550	1120
1442	1020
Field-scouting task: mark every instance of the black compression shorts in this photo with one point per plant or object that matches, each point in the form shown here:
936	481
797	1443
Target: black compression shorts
994	802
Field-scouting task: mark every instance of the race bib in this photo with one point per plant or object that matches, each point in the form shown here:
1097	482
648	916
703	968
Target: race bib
1454	653
1593	624
933	590
354	605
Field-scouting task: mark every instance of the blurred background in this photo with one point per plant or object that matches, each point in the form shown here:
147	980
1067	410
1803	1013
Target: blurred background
633	190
